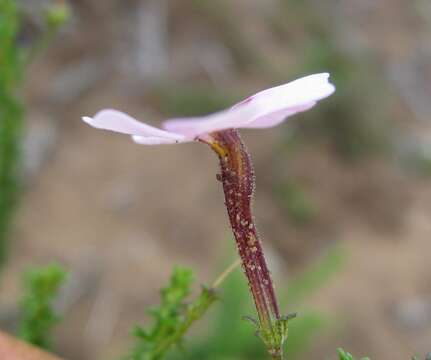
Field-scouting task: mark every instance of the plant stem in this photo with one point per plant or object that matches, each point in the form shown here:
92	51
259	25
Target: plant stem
226	273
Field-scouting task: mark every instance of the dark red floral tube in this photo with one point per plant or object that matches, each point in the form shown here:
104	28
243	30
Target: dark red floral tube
237	177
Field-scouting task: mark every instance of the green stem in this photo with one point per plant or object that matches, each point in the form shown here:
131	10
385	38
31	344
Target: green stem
196	310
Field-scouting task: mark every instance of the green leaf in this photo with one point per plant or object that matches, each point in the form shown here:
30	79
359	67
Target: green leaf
172	318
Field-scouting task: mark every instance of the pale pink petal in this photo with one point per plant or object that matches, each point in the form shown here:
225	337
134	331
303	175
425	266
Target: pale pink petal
117	121
264	109
277	117
154	140
280	102
195	126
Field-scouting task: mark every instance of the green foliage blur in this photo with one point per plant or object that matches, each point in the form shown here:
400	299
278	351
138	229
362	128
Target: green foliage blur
294	200
172	318
11	117
41	287
13	62
427	357
343	355
57	15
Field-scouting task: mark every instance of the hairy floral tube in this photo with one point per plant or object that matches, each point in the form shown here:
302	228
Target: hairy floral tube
237	177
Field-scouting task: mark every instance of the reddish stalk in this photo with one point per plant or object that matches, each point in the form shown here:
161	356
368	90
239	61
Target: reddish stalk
237	177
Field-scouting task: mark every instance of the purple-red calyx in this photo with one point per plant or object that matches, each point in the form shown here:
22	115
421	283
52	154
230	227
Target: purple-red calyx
267	108
237	177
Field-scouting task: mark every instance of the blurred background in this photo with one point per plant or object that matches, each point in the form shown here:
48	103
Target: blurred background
343	198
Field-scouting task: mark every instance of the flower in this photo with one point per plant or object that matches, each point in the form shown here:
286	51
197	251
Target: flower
265	109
